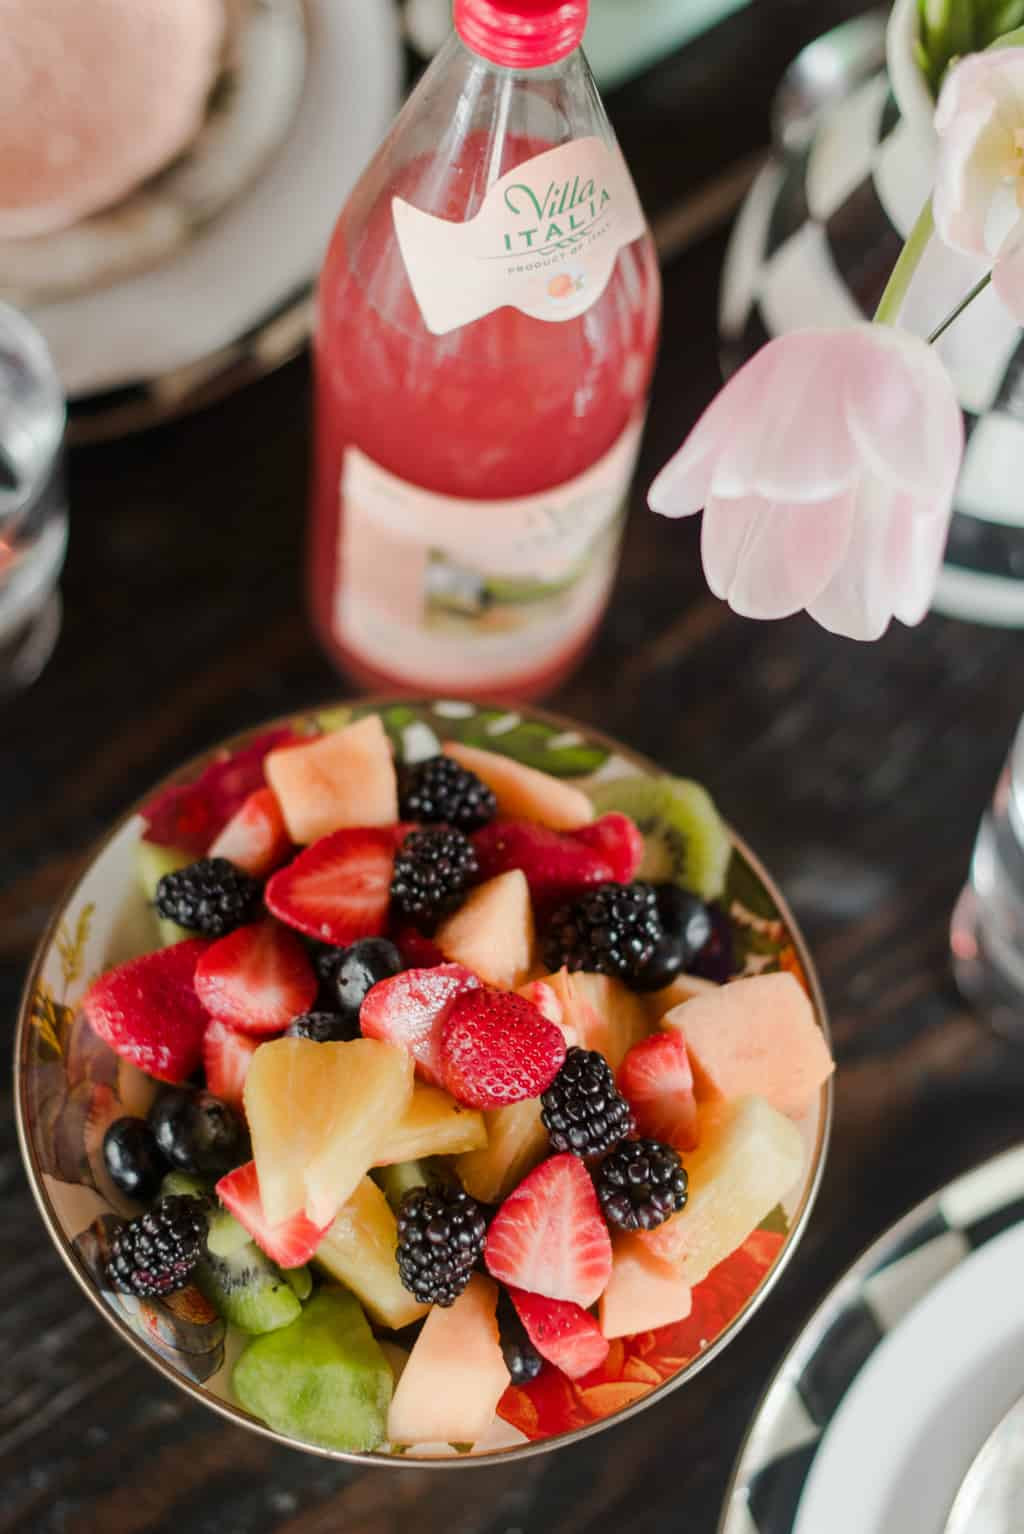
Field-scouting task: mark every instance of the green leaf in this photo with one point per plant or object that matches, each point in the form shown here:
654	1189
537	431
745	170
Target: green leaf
743	885
330	719
49	1018
531	741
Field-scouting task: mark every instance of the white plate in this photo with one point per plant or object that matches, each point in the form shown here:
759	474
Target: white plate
265	249
903	1439
878	1408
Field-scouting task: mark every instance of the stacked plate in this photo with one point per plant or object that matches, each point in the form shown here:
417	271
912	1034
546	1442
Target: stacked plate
877	1413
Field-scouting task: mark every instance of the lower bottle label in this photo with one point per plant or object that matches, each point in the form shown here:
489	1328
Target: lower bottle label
448	592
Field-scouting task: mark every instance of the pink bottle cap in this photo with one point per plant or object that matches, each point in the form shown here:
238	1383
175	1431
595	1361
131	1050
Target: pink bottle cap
521	34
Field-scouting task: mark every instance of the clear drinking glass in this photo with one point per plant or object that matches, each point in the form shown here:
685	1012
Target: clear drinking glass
33	509
987	934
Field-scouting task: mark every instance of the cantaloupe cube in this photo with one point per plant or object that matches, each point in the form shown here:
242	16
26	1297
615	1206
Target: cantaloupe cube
643	1292
359	1251
683	988
602	1012
516	1142
433	1124
455	1375
343	779
524	793
756	1037
492	932
748	1159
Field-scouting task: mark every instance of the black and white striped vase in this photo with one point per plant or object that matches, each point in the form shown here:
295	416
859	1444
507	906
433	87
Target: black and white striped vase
814	245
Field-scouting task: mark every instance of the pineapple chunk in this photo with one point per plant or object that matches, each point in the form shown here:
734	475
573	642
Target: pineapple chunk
433	1124
318	1115
359	1251
748	1159
492	932
516	1142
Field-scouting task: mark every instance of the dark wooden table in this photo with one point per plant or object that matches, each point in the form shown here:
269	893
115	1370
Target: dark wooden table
857	772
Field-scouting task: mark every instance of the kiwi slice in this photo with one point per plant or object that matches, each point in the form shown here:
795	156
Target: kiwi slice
248	1290
687	842
237	1278
397	1180
224	1235
153	862
300	1280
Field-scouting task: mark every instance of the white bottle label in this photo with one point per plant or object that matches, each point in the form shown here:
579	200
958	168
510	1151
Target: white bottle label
451	592
545	240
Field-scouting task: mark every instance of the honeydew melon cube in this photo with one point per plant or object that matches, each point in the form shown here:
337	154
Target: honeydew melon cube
748	1158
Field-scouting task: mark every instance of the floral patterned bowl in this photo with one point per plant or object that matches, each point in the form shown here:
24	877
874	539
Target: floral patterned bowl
70	1086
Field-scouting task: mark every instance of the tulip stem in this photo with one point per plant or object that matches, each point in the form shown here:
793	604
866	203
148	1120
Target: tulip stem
891	301
979	287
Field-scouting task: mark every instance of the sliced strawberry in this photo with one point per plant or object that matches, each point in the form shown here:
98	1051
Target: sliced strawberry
190	815
338	890
256	979
498	1048
656	1080
148	1012
548	1236
417	951
556	866
563	1333
410	1009
545	1000
227	1055
618	840
255	837
289	1244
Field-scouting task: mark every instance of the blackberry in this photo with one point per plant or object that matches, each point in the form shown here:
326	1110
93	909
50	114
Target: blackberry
640	1184
212	897
581	1110
440	790
616	930
433	871
441	1235
522	1360
156	1253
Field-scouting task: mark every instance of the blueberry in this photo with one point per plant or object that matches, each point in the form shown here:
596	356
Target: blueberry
322	1027
197	1132
361	967
326	961
717	959
684	917
666	962
133	1159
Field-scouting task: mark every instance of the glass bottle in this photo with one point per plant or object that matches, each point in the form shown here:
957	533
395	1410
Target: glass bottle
487	323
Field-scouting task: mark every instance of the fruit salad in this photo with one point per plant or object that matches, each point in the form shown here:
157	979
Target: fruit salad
456	1086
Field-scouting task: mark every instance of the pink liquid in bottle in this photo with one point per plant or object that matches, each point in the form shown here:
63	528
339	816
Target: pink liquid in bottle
474	447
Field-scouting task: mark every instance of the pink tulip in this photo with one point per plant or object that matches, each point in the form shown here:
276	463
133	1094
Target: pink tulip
826	469
979	175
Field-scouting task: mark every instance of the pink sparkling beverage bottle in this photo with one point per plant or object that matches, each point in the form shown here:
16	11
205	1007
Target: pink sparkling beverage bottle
487	325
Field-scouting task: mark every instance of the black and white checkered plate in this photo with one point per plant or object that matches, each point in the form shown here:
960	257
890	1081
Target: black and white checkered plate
891	1278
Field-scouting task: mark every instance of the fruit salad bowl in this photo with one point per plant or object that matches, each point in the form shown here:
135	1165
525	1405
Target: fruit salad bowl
719	1056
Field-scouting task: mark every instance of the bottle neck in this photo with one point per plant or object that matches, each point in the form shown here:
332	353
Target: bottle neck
521	35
